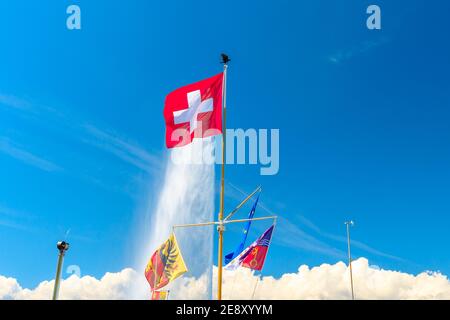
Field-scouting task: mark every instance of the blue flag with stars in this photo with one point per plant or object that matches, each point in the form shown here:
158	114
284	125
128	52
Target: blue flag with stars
241	246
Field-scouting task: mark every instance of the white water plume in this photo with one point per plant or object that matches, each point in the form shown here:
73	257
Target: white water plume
186	195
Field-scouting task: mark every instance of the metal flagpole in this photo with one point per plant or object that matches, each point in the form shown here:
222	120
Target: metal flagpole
203	224
221	227
252	219
224	222
350	223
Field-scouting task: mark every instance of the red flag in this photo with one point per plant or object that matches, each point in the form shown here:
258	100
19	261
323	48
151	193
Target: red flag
255	259
258	251
194	111
253	256
155	272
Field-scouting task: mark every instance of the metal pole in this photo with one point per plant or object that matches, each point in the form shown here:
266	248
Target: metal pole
62	247
203	224
252	219
242	203
350	256
221	227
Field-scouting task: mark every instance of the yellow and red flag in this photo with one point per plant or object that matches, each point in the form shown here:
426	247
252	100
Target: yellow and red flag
165	265
160	295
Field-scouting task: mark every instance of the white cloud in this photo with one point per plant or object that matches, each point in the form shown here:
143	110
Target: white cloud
332	282
323	282
110	286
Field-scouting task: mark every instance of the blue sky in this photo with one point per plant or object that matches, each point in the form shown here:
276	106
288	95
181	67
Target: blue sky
363	118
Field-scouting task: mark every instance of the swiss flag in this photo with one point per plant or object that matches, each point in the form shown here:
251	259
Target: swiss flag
194	111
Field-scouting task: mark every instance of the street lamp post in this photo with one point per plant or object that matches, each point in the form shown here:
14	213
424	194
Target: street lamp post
348	224
62	247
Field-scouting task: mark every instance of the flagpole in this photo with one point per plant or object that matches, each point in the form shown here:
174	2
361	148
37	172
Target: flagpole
221	227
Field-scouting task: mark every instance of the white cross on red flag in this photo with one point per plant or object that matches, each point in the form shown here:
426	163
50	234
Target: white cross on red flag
194	111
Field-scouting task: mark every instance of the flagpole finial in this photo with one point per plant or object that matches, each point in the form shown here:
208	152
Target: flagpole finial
225	58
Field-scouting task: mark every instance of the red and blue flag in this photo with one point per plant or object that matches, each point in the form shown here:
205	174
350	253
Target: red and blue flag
254	256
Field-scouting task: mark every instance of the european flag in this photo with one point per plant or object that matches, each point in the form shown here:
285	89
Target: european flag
241	246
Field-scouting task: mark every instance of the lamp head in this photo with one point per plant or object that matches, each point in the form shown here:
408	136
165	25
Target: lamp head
62	246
